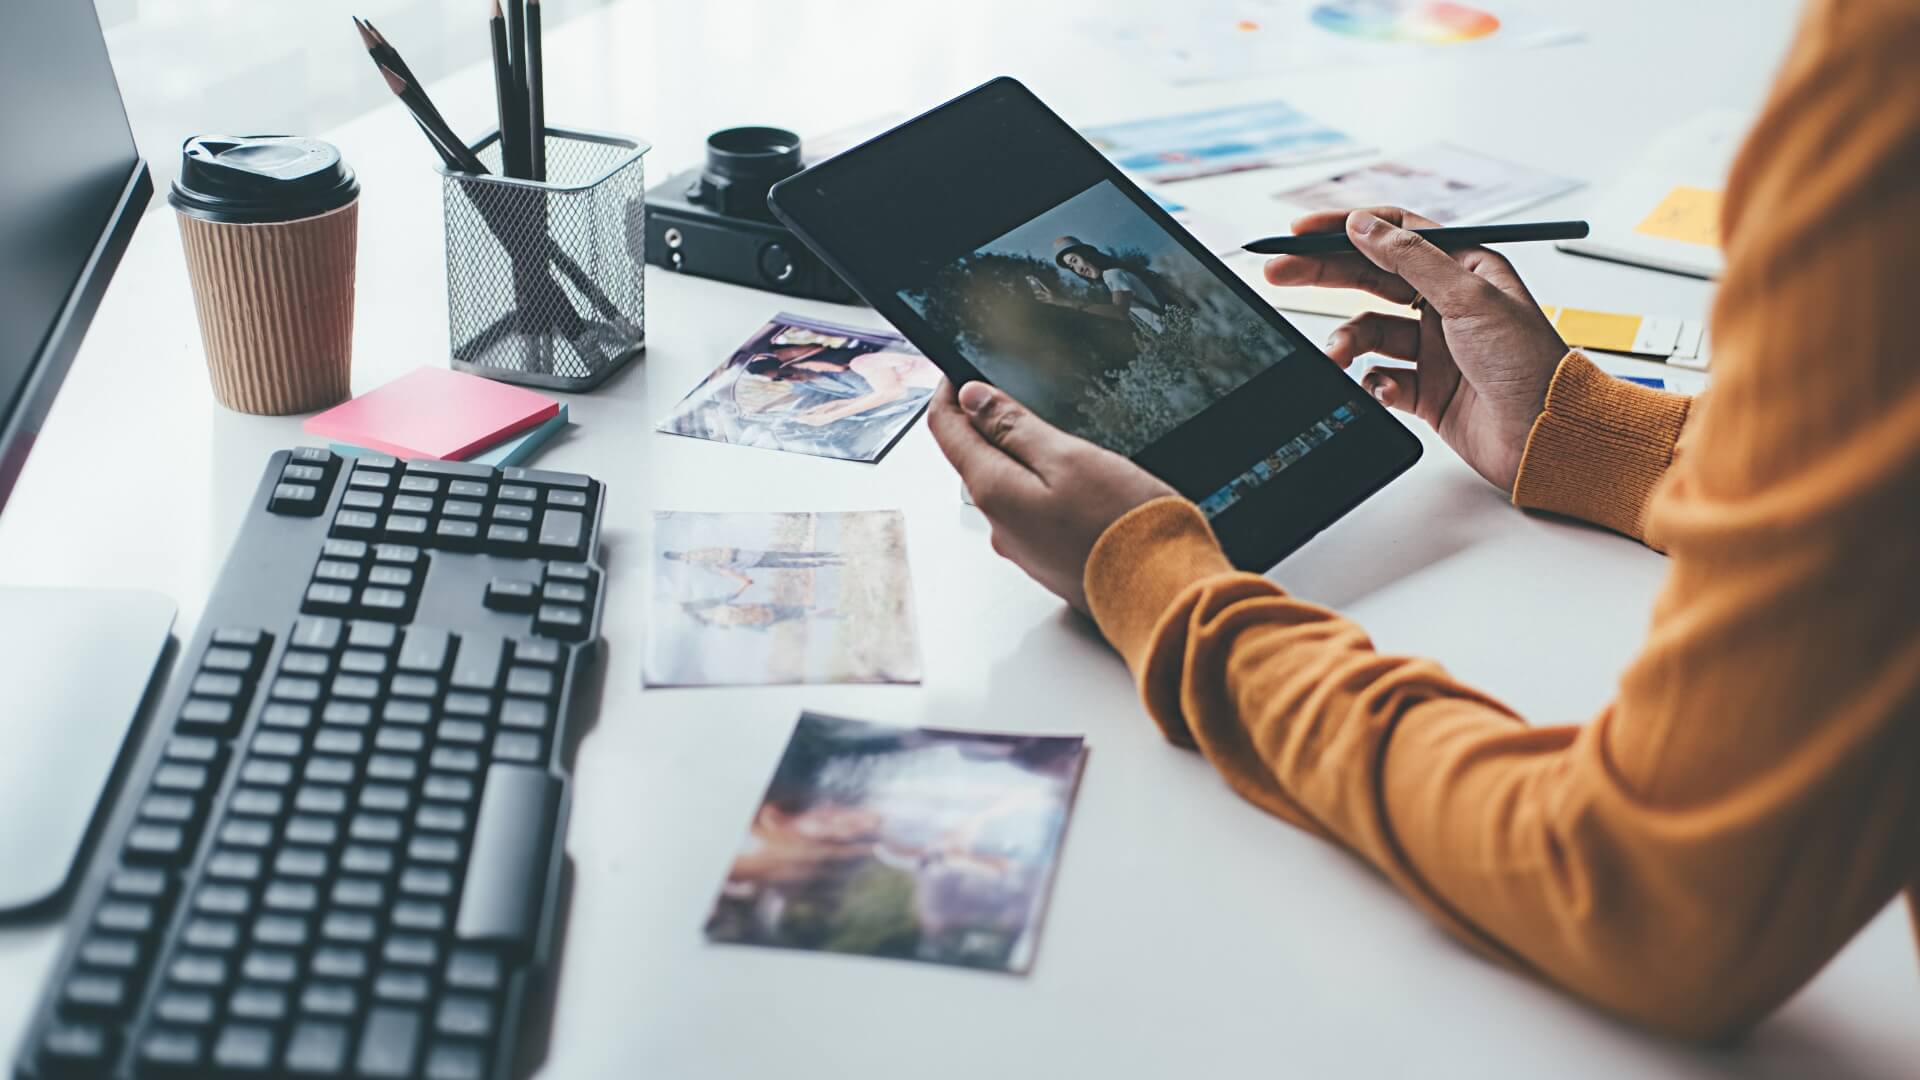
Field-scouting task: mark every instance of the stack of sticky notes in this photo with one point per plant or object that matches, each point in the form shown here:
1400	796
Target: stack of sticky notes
444	415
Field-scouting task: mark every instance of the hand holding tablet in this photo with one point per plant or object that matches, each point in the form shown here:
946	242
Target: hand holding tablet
1008	249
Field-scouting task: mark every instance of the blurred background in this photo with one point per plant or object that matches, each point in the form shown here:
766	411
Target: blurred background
271	66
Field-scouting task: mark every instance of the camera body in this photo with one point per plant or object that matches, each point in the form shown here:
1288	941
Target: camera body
714	222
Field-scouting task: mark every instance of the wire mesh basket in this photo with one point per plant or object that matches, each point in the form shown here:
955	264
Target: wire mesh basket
546	279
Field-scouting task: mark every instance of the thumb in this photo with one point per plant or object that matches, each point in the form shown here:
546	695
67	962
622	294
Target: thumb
1445	284
1008	425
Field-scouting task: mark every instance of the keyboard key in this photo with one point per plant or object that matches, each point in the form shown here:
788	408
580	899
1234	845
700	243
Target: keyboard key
562	533
300	862
107	952
360	687
355	524
354	892
391	767
468	705
411	950
508	594
512	841
433	849
321	798
363	500
468	489
453	470
548	477
256	1002
570	571
214	684
171	1049
477	665
339	740
518	746
519	493
340	962
530	682
183	778
455	759
439	817
317	1048
412	504
348	713
306	662
406	526
392	577
562	621
337	571
513	514
280	931
136	917
405	987
278	744
455	533
138	882
563	592
420	485
187	1008
299	691
521	713
169	809
370	479
198	969
424	687
246	833
245	1047
401	740
242	866
316	632
211	933
256	802
366	859
461	508
272	966
423	915
462	732
288	498
474	969
426	881
160	844
312	455
331	770
398	554
368	661
448	788
223	900
76	1049
286	714
321	832
389	798
207	714
464	1016
374	636
455	1061
570	500
542	652
425	650
267	772
389	1042
349	928
507	539
330	999
344	549
299	897
95	994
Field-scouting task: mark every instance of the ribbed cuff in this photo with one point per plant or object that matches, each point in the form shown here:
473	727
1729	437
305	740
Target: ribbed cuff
1599	448
1141	564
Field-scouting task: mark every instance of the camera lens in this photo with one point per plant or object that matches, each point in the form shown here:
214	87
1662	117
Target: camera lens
742	163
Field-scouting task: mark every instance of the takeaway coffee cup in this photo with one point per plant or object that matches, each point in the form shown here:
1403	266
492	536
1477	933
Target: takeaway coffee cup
269	223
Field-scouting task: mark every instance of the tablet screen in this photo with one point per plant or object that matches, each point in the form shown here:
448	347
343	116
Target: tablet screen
1099	321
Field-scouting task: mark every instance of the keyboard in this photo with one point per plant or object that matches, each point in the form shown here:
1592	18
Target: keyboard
338	846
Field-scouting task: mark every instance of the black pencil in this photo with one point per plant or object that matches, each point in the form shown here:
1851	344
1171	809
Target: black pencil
1332	243
536	98
503	89
416	101
517	164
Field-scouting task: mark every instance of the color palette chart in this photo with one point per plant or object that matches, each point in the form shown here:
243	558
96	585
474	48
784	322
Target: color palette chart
1424	23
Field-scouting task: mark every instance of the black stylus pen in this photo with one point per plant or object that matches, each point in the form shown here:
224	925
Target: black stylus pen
1466	236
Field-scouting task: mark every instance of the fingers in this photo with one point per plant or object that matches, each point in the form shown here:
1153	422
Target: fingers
1451	288
1338	272
1335	220
987	471
1372	332
1010	427
1396	388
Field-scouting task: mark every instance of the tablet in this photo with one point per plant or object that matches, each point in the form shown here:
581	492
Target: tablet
1008	249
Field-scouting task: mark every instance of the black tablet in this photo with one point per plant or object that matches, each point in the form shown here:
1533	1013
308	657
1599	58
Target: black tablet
1009	249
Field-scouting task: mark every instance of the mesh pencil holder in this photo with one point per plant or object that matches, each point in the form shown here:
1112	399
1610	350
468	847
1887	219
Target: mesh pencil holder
546	279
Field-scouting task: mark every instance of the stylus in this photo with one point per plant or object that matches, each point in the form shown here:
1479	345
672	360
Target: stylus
1466	236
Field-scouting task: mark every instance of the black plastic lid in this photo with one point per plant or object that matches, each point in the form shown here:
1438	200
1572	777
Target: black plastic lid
252	179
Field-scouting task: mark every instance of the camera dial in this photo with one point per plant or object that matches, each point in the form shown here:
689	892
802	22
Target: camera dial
742	164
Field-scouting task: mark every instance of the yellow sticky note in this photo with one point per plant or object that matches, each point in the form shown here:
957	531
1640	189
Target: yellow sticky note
1598	329
1687	214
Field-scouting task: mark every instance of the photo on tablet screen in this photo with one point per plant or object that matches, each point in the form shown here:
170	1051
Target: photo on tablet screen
1099	321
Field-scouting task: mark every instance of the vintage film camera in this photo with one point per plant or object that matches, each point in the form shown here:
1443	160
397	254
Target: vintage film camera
713	221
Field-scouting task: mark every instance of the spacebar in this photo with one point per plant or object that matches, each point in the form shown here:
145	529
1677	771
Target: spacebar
500	900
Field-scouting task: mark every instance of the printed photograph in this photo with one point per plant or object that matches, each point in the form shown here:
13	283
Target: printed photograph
1445	183
1099	321
810	387
759	599
1167	149
907	843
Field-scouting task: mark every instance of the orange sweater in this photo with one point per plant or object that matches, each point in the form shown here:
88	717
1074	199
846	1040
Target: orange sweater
1751	797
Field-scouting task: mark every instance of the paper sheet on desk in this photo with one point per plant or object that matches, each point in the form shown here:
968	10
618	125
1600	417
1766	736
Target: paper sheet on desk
1673	340
1202	41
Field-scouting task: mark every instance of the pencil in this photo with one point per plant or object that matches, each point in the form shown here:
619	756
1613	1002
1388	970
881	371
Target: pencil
436	128
517	165
1466	236
503	88
536	98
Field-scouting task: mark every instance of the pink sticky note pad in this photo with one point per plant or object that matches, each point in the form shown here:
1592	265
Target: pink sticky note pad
433	413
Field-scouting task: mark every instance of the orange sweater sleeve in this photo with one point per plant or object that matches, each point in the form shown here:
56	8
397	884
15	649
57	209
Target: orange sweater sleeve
1699	849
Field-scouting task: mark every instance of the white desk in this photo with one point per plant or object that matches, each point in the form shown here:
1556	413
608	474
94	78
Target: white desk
1190	935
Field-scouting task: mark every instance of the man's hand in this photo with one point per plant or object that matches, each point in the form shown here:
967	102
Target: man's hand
1482	349
1047	494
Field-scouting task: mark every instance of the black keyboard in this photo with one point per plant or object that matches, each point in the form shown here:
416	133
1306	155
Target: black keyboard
338	848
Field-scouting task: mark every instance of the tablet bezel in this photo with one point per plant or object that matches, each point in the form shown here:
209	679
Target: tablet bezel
831	208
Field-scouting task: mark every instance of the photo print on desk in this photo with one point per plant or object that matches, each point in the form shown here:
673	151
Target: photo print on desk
763	599
906	843
1450	185
810	387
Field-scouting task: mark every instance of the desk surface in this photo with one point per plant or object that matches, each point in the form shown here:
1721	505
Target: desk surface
1189	934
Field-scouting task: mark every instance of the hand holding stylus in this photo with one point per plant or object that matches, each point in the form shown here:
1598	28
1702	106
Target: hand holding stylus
1483	351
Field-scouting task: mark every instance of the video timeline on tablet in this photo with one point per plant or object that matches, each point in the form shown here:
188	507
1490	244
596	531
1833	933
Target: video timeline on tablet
1099	321
1279	461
